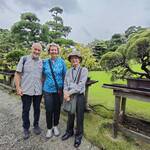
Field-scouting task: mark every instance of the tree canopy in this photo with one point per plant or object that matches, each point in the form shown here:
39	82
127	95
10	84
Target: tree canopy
27	30
135	51
56	27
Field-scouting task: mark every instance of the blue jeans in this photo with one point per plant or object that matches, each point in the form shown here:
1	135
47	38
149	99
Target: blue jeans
26	104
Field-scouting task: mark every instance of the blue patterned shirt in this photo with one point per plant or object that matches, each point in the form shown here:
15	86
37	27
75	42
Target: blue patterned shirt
59	69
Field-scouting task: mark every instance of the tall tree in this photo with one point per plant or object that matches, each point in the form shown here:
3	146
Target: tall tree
99	47
6	41
131	30
115	41
56	26
27	30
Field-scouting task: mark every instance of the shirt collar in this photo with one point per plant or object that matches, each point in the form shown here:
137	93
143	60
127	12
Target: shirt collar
76	68
34	58
53	60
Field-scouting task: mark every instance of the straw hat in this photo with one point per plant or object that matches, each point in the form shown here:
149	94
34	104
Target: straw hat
75	53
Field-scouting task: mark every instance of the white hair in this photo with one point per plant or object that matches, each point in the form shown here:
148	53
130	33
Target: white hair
37	45
53	44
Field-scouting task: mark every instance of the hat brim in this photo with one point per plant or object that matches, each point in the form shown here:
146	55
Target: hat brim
69	57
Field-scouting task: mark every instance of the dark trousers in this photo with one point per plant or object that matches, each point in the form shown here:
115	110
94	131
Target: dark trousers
52	106
80	106
26	104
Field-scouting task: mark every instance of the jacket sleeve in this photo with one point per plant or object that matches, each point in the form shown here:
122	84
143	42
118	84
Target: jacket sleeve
76	88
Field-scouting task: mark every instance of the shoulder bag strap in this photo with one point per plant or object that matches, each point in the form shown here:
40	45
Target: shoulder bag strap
78	79
56	85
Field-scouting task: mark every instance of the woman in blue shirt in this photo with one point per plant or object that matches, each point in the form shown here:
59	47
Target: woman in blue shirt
54	70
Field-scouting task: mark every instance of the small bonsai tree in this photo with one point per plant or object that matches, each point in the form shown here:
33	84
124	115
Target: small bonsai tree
122	62
13	57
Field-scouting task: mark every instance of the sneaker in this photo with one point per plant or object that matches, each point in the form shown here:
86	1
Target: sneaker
49	133
37	130
56	131
26	134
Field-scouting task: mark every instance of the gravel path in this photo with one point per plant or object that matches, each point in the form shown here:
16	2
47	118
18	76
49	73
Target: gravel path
11	129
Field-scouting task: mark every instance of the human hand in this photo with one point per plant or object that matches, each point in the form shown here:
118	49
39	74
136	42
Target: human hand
19	91
66	96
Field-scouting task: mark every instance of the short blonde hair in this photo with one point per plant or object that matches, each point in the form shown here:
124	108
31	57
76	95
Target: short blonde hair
52	44
36	45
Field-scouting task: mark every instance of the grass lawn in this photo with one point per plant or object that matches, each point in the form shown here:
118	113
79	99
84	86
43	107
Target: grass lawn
1	76
98	124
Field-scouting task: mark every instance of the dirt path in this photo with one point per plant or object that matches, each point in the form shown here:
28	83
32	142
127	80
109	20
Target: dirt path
11	129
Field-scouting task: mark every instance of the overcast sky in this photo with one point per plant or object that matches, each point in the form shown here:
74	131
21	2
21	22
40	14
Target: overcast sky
89	19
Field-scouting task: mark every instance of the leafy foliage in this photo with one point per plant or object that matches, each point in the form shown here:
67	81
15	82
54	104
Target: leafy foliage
13	57
27	30
88	61
116	41
111	60
131	30
135	51
56	25
6	41
99	48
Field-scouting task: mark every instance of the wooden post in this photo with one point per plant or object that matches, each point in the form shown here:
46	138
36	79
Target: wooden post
5	80
116	116
123	107
86	98
9	80
12	83
88	84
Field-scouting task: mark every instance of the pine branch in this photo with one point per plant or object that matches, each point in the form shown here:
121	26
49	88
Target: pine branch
134	72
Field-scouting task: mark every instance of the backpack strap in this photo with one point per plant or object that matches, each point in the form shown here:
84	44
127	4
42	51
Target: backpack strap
24	60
